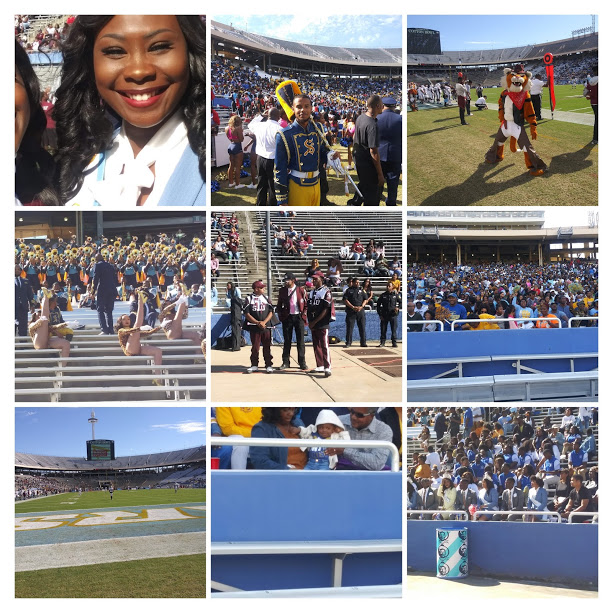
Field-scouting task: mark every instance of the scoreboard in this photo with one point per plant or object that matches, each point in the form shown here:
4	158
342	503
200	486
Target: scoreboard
100	449
422	40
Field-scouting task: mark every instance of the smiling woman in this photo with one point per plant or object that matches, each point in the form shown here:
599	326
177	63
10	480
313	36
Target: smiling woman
130	112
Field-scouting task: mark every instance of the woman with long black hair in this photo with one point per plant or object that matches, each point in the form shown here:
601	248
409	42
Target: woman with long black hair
34	167
130	111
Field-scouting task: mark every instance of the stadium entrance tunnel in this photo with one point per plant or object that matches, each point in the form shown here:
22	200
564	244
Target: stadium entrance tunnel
287	543
572	550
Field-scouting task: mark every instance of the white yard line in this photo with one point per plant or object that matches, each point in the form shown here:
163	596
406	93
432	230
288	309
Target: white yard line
83	553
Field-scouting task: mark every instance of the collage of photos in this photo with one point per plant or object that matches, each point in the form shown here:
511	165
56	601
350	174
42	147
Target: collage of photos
477	290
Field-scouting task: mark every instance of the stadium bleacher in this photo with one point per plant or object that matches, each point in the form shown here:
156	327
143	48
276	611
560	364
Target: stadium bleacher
97	365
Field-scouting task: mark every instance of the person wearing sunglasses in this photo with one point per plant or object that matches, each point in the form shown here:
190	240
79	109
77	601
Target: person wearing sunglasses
361	424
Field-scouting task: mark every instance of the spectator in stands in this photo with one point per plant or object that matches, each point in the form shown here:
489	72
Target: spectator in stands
129	336
578	459
537	500
237	422
512	500
327	426
466	497
366	155
34	167
579	500
487	499
362	425
562	492
176	153
447	495
277	423
427	498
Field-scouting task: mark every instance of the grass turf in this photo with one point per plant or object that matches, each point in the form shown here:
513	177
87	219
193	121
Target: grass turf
246	197
445	163
101	500
567	99
174	577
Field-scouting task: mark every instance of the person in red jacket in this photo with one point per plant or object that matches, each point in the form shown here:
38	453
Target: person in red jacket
291	309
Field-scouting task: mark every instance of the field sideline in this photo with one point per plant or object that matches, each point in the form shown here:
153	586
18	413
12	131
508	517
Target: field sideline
121	498
176	577
445	160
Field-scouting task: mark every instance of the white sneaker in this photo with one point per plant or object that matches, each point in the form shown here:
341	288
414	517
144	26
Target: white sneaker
269	369
231	185
317	369
252	369
183	299
239	186
328	372
252	186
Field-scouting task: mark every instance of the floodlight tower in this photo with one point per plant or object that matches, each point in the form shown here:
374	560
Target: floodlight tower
92	420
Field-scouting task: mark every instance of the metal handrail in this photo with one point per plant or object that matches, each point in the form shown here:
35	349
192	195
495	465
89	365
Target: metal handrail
573	318
497	320
592	514
521	512
276	442
425	322
253	244
464	514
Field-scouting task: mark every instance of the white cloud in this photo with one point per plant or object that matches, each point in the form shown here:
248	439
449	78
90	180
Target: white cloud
183	427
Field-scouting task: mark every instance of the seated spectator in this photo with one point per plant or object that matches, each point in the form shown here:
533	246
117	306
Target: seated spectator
237	422
579	500
537	500
512	500
487	499
447	495
562	492
362	425
277	423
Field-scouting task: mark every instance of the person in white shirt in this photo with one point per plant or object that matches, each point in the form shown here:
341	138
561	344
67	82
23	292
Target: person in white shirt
481	103
265	134
536	92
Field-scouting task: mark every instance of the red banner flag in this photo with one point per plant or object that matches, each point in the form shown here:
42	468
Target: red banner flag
548	59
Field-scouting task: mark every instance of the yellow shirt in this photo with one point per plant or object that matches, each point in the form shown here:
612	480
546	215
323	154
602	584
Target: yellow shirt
238	420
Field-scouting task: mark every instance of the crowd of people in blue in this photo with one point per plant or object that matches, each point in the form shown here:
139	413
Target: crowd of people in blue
503	464
554	293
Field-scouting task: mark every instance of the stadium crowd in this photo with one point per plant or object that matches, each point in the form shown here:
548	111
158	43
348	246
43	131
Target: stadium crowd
251	93
503	459
369	424
485	292
30	486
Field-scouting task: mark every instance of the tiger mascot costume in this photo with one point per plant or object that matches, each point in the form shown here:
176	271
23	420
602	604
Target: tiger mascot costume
514	108
413	96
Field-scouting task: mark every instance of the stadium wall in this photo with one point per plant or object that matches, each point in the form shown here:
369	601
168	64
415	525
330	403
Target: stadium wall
570	555
276	506
498	343
221	321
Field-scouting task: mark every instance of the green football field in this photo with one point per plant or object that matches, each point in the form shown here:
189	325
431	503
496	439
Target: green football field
246	197
446	167
567	99
121	498
174	577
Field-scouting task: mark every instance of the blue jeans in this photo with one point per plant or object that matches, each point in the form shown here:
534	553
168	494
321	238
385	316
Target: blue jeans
318	465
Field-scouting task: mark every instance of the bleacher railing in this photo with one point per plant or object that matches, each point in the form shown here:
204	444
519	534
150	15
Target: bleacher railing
591	514
591	318
503	319
553	514
254	249
460	515
276	442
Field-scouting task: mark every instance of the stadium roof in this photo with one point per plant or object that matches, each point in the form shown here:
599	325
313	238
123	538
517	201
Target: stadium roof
505	56
151	460
338	55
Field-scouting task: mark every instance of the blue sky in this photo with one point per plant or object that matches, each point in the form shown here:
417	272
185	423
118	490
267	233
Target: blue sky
320	29
63	430
472	32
